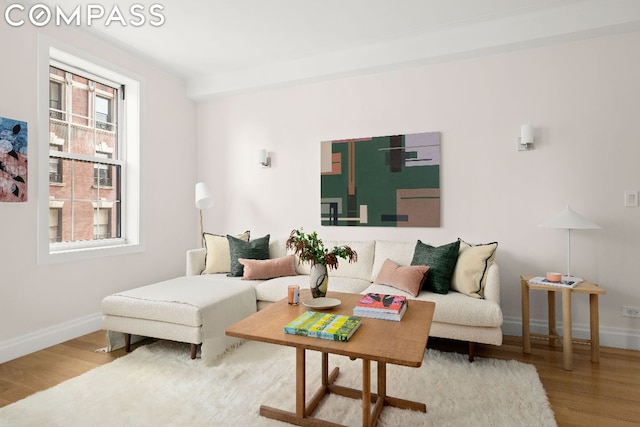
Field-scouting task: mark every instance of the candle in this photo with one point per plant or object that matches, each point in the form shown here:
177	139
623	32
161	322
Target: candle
293	294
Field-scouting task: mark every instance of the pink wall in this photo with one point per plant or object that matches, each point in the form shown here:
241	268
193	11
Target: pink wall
44	304
581	97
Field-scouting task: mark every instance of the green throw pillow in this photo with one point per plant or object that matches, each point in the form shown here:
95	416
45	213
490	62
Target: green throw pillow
254	249
441	262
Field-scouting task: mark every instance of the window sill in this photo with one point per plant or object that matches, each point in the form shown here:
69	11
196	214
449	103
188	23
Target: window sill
71	254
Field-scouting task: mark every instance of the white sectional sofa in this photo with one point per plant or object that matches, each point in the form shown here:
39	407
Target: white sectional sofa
457	316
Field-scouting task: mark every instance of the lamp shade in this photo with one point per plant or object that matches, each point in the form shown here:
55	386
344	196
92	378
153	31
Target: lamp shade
204	198
526	134
569	220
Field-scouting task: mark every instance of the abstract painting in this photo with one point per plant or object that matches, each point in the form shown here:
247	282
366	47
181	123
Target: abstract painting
13	160
383	181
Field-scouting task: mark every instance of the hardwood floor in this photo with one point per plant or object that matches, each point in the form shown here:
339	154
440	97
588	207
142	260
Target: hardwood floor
38	371
593	394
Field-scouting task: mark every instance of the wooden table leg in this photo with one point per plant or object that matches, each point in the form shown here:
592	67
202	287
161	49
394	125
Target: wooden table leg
381	399
366	392
551	311
567	340
300	382
382	380
526	331
303	415
594	328
325	369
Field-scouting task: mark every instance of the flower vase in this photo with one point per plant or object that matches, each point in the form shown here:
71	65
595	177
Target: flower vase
318	280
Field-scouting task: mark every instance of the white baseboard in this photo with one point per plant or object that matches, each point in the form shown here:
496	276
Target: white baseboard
609	337
19	346
29	343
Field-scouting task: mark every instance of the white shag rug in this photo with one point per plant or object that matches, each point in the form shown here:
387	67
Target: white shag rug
159	385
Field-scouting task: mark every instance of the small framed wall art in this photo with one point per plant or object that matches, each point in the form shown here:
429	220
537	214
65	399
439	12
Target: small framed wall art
13	160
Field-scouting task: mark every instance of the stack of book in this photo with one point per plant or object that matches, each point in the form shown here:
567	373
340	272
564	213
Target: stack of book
336	327
381	306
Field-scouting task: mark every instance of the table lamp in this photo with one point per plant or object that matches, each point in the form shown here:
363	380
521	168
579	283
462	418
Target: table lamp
204	200
569	220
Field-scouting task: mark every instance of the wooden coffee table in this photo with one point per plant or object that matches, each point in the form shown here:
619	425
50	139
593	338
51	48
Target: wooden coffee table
383	341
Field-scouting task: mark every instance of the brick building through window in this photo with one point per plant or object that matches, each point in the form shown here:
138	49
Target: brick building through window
84	173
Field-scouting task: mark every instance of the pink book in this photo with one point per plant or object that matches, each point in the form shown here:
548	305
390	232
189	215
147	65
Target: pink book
382	302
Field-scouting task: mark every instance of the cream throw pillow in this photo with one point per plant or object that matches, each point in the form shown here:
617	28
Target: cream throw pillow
470	273
399	252
218	258
360	269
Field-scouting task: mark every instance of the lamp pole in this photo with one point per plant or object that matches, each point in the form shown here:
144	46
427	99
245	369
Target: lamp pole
568	252
204	200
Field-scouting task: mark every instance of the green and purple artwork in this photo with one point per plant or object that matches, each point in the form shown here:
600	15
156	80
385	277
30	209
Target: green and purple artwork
382	181
13	160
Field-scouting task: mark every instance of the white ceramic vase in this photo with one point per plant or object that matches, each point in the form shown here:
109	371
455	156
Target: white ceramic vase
318	280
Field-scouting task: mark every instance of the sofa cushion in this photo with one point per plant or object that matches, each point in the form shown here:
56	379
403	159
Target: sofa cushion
441	261
275	289
361	269
470	273
277	248
178	300
399	252
217	258
408	278
256	269
454	308
302	268
254	249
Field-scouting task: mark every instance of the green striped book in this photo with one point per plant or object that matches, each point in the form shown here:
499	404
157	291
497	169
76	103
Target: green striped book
336	327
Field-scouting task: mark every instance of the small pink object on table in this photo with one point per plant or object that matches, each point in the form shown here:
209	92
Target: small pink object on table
554	277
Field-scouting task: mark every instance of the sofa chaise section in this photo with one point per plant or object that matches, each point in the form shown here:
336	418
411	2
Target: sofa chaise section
193	310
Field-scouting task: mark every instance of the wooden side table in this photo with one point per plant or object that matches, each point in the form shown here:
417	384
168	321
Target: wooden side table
567	341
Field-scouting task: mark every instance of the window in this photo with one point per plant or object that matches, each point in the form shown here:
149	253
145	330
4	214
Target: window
103	113
101	222
55	166
102	172
90	150
93	140
55	225
55	98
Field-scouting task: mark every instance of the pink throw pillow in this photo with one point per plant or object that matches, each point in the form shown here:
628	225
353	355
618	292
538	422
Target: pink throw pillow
407	278
259	269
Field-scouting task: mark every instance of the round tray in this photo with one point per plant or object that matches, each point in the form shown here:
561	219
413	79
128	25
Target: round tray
321	303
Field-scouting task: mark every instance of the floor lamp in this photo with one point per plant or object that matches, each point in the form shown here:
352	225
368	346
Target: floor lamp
204	200
569	220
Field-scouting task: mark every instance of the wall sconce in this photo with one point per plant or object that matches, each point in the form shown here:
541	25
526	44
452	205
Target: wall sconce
525	142
264	158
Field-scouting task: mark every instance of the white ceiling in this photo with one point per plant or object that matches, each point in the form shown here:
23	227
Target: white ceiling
228	46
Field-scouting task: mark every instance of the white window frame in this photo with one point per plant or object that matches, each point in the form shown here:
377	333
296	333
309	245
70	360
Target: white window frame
130	140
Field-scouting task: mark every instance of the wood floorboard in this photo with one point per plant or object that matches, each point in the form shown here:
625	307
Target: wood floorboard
593	394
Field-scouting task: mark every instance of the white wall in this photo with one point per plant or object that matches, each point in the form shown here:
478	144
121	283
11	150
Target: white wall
44	304
582	98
